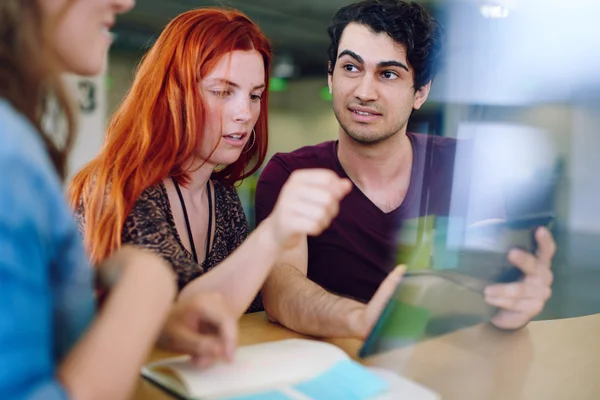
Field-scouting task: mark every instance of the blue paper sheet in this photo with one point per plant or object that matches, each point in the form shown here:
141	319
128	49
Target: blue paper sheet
346	380
272	395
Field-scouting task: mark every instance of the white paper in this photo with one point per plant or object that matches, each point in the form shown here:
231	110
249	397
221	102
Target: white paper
258	368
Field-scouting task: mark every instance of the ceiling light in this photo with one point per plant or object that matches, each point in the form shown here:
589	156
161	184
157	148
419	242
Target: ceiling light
494	11
284	67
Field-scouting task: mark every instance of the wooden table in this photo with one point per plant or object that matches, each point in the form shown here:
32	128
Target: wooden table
557	359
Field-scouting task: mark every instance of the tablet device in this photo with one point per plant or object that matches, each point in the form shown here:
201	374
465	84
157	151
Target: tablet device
488	260
448	294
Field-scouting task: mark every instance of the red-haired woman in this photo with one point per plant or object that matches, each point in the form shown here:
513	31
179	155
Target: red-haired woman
192	125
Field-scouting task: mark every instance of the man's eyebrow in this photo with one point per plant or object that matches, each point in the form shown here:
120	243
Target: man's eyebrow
351	54
382	64
392	63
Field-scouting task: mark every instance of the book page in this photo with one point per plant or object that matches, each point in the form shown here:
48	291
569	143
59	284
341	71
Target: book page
257	368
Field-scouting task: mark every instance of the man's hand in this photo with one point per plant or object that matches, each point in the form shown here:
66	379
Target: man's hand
521	301
203	327
366	315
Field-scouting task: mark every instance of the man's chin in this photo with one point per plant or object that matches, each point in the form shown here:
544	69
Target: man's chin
367	138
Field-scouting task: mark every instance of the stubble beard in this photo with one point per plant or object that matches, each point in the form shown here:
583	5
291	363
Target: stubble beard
367	137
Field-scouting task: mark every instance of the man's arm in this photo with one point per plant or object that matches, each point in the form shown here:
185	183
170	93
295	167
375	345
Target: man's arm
293	300
296	302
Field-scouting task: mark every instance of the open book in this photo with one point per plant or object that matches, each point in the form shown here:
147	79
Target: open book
289	369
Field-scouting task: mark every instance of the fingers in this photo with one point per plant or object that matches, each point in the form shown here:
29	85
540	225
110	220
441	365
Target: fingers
383	294
509	320
203	327
528	307
519	302
388	286
186	340
308	202
345	187
546	246
531	266
527	298
214	318
319	199
523	260
539	266
319	186
517	290
229	336
203	361
528	262
322	178
310	219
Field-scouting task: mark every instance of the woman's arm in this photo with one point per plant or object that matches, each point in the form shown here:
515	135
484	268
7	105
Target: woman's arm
106	361
46	299
239	277
306	205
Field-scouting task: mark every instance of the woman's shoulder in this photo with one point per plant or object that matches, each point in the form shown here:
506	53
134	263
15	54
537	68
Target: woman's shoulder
26	172
151	204
150	213
22	146
32	201
152	198
154	195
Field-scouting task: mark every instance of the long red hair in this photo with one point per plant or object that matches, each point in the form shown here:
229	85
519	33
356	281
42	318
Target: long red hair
158	127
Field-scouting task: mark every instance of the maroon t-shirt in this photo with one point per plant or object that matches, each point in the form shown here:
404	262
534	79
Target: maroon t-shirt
354	255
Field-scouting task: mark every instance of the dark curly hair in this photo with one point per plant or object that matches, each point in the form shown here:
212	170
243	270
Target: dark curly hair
407	23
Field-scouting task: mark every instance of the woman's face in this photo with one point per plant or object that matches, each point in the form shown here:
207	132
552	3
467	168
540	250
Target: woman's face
231	94
81	37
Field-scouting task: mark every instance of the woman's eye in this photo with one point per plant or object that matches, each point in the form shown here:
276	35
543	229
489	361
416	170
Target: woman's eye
221	93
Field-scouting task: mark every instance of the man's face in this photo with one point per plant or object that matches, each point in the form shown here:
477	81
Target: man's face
372	86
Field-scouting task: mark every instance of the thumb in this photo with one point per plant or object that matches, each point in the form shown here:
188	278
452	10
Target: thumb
383	294
345	187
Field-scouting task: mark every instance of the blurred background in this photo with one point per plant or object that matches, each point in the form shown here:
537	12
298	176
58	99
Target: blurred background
520	79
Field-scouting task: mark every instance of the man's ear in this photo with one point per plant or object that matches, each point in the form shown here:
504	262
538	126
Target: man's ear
421	95
329	75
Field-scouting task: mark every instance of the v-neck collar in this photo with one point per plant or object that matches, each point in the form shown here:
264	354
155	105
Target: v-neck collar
410	192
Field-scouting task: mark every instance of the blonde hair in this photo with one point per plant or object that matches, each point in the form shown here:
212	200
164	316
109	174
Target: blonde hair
29	72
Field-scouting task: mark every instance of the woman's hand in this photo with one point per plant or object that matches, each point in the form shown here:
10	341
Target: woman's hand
307	204
202	326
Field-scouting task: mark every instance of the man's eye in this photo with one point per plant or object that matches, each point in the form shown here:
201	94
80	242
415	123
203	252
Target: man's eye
389	75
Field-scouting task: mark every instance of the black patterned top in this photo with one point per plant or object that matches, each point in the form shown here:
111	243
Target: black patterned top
150	224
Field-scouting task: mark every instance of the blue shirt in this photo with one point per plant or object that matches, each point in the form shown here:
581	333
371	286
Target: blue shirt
46	289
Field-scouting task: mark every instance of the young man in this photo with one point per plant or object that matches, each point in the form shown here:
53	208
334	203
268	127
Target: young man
382	58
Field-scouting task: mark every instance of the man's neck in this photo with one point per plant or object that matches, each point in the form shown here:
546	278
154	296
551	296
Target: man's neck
378	166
